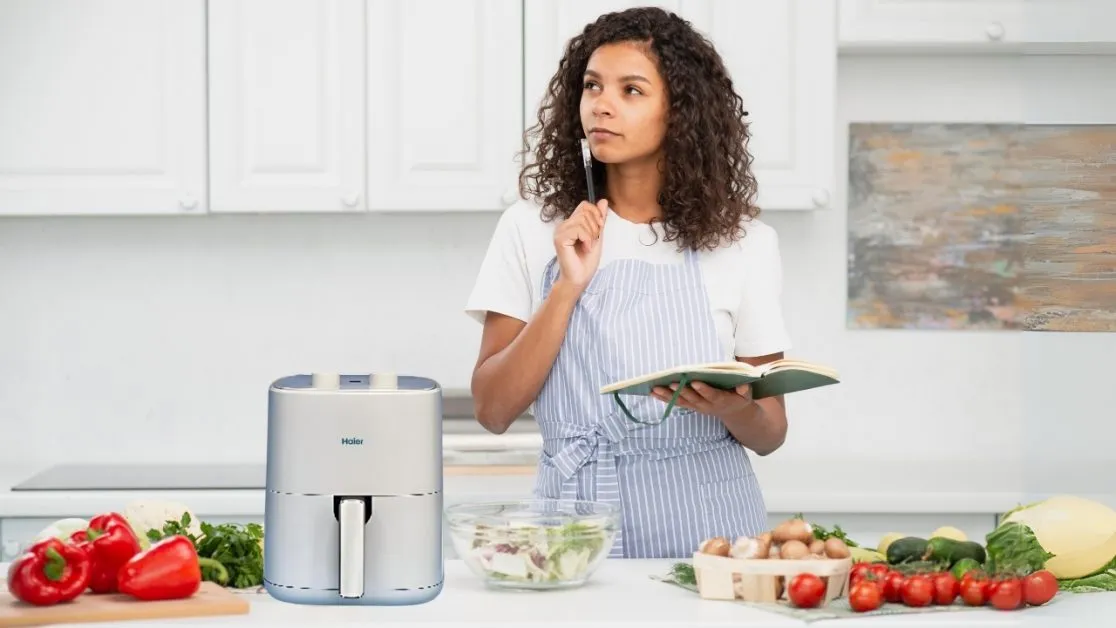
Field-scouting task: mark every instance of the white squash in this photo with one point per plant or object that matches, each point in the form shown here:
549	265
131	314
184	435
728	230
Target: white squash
150	514
62	529
1081	533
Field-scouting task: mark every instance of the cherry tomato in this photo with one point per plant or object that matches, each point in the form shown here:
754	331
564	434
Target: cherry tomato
974	574
856	574
879	571
1039	588
1007	595
917	591
806	590
946	588
893	587
865	596
974	592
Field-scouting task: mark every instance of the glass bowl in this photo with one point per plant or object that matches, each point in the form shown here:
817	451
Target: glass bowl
533	543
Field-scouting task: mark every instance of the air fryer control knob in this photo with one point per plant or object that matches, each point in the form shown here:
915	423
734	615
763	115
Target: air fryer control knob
326	381
384	381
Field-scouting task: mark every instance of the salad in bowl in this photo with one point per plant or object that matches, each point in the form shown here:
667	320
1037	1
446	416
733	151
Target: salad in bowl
534	543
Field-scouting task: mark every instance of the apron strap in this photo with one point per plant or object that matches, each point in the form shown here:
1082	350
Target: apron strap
685	381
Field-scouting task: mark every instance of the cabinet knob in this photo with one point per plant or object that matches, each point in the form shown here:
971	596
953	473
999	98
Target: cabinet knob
821	198
188	202
511	196
350	200
995	31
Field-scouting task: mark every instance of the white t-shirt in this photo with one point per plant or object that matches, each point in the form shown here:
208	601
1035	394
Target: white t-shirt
743	279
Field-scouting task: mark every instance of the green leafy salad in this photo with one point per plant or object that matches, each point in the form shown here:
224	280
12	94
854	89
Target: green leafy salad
534	553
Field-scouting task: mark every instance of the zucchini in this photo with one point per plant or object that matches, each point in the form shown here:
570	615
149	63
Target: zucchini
906	549
949	551
964	566
918	567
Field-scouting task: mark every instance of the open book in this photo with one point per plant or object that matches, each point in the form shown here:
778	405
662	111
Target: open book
769	380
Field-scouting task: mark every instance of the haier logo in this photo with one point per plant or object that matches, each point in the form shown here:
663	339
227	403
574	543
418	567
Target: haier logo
352	441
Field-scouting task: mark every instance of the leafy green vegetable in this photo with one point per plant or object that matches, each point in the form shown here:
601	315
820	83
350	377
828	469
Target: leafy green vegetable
1096	583
1103	579
1018	507
1012	547
238	548
537	554
683	573
822	534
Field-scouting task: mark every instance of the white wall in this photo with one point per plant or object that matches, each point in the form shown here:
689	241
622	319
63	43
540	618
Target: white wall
167	330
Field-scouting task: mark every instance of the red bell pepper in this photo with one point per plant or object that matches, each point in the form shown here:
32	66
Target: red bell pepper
111	542
168	569
50	572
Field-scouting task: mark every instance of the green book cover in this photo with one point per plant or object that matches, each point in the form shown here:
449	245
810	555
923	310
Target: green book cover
769	380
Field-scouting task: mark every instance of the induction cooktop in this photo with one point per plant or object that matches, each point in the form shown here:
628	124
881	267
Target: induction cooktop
147	477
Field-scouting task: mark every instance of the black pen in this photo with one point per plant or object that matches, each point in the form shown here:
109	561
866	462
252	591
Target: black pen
587	159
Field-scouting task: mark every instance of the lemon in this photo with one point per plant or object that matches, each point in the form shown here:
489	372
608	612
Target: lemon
865	555
949	532
887	540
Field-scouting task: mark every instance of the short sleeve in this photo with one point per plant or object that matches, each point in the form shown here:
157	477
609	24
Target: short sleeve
760	328
502	284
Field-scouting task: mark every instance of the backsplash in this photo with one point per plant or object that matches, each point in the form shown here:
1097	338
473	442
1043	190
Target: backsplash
165	332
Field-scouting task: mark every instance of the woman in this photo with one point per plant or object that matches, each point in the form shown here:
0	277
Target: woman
670	267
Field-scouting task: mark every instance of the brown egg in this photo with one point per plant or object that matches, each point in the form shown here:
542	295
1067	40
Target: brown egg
794	550
836	548
717	546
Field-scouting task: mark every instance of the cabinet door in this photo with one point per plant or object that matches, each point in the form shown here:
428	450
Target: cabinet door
782	57
287	105
103	107
974	25
445	93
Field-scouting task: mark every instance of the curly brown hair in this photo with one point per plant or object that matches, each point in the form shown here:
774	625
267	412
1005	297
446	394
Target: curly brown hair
708	188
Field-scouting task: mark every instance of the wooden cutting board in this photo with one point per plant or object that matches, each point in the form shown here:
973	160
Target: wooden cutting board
211	599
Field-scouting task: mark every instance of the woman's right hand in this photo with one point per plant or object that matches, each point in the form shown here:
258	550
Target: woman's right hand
578	245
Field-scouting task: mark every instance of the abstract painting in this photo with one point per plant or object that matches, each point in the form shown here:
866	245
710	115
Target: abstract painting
982	226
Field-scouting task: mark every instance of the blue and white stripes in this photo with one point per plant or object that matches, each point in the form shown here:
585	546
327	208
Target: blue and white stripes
678	482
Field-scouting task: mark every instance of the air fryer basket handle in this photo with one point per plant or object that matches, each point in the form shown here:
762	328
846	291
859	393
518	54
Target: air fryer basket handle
351	515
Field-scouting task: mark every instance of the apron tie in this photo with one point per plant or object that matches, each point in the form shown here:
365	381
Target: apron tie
598	445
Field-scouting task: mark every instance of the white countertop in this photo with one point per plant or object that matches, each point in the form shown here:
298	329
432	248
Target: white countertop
622	591
232	503
854	487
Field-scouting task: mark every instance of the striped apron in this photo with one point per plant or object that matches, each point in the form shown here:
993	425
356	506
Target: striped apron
678	482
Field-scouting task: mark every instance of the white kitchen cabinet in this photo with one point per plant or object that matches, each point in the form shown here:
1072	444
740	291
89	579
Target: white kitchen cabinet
783	60
976	25
287	105
445	92
103	108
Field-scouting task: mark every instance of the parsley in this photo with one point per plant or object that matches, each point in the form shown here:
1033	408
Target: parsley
238	548
683	573
822	534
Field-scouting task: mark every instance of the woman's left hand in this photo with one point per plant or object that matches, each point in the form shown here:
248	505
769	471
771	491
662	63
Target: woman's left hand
708	400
